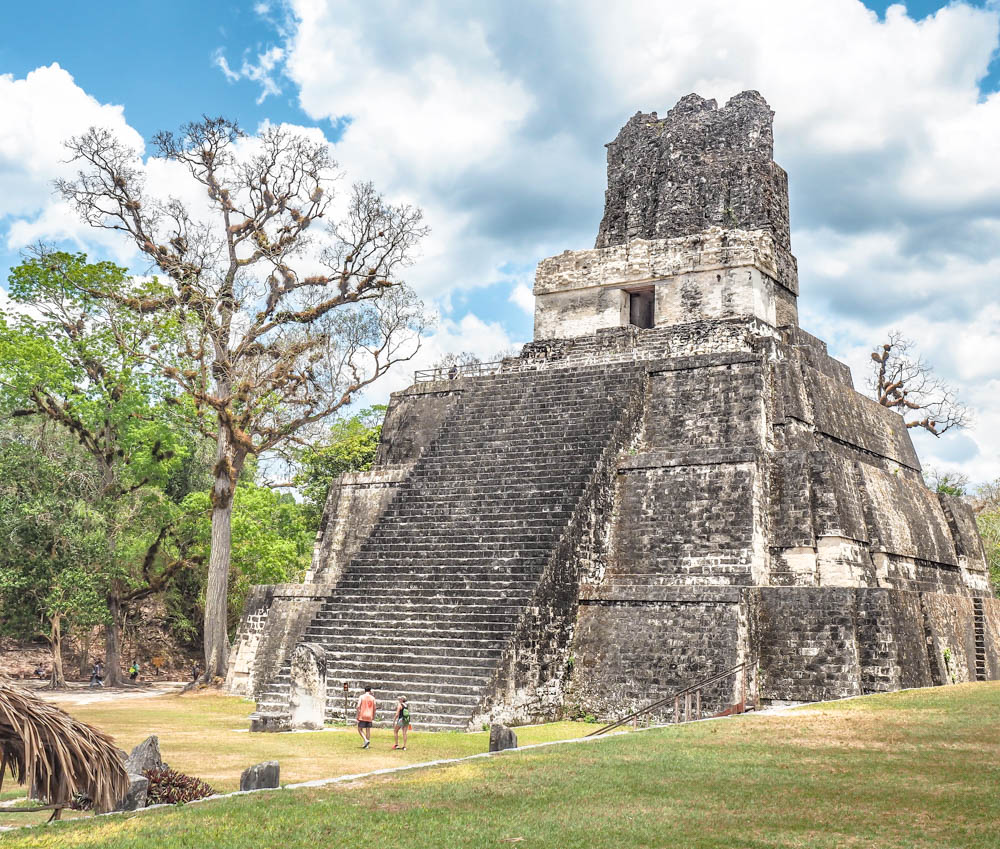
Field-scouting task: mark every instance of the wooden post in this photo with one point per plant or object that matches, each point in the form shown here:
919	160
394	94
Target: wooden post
687	707
697	703
677	708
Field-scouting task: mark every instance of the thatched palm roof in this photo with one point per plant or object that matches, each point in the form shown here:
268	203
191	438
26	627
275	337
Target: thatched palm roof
59	755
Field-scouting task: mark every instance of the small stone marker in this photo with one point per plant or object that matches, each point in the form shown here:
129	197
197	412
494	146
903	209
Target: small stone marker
502	737
135	799
260	776
145	756
270	722
307	686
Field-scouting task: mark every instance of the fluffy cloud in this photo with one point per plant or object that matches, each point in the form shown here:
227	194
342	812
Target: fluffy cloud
494	120
40	111
46	107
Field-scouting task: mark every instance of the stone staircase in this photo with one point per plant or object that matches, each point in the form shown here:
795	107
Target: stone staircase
435	593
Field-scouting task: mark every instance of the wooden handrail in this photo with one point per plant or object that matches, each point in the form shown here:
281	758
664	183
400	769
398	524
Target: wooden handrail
674	697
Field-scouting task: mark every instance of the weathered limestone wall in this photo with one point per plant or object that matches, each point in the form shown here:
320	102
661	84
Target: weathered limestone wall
633	648
274	619
353	507
830	642
530	678
716	274
698	167
840	564
413	420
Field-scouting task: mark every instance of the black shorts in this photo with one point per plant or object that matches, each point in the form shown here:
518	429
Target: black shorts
364	723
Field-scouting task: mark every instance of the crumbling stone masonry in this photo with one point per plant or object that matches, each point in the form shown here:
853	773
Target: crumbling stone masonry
671	479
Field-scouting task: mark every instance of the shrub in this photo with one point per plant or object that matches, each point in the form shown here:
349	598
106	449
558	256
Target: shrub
169	787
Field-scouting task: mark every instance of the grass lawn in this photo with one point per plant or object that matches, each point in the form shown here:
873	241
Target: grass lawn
205	735
917	769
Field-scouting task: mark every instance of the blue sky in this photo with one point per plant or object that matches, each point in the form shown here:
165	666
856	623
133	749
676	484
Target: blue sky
493	116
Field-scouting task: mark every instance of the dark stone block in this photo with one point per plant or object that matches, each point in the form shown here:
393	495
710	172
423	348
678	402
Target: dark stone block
136	796
502	737
260	776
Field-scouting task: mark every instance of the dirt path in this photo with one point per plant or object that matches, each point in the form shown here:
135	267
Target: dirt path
77	693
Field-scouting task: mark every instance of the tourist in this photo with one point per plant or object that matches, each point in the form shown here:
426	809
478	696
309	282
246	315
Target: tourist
366	716
133	671
40	671
97	675
400	722
195	670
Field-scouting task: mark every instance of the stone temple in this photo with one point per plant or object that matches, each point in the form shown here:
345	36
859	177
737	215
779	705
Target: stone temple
672	479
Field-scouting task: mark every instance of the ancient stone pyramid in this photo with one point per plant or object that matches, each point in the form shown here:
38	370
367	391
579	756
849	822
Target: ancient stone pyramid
672	479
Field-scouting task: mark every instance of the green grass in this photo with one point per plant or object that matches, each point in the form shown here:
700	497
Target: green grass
205	734
915	769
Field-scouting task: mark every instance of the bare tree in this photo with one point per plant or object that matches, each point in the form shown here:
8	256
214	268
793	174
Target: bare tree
907	384
273	330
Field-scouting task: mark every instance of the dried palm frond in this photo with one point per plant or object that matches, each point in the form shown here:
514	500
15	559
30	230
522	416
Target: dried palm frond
60	756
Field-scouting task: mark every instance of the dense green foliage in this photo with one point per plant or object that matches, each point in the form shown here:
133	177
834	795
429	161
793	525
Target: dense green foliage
986	503
104	476
272	543
349	446
52	540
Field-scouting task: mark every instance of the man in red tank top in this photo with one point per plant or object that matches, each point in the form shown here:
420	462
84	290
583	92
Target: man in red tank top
366	716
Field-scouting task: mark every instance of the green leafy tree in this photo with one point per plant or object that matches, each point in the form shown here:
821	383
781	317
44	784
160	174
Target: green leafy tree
947	483
67	357
272	542
349	446
51	540
279	325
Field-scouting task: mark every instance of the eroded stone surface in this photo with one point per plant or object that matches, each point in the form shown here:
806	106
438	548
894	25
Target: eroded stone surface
698	167
307	686
261	776
136	796
502	737
145	756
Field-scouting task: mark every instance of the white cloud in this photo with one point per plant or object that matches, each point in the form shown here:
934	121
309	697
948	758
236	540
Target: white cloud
264	71
40	112
493	120
469	334
523	297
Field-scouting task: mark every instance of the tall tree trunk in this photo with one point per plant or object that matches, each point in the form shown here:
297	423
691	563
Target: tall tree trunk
85	653
227	471
112	643
57	680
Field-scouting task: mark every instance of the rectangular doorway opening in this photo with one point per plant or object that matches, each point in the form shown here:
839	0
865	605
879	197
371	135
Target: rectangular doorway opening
640	308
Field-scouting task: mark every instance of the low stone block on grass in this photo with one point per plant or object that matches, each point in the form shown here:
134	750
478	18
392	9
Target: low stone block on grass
502	737
260	776
270	722
135	799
